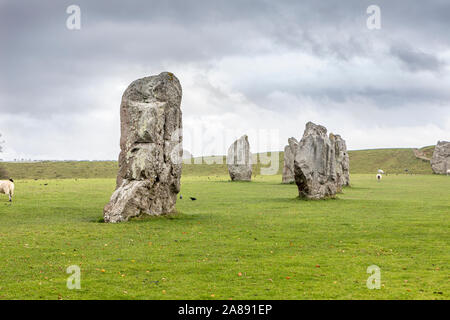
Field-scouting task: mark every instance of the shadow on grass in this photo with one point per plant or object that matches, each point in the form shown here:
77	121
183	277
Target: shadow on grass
293	200
229	181
148	218
357	188
327	199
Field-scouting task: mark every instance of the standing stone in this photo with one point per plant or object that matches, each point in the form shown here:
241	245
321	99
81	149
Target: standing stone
440	162
342	161
289	156
315	164
239	160
151	149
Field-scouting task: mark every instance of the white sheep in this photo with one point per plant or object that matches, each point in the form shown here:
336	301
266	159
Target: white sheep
379	176
7	187
380	171
448	172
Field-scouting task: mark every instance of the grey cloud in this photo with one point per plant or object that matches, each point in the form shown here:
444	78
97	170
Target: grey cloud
416	60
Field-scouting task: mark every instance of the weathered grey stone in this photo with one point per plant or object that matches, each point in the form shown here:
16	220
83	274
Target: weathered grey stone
151	149
289	157
239	160
440	162
315	164
342	161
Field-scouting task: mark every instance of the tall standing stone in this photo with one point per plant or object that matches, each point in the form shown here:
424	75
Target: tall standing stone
239	160
315	164
151	149
440	162
289	157
342	161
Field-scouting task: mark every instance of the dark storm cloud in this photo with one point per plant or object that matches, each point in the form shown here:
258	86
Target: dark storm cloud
41	53
43	58
48	71
416	60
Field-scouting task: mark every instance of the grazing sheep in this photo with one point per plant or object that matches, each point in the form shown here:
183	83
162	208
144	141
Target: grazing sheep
380	171
379	176
448	172
7	187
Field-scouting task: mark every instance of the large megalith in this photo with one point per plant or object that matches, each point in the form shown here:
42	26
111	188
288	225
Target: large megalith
315	164
342	161
289	156
151	149
239	160
440	162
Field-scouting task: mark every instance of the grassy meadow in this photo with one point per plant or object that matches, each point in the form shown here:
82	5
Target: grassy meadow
392	161
237	241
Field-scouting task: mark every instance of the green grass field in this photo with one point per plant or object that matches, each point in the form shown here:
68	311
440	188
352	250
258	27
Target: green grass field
390	160
361	161
237	241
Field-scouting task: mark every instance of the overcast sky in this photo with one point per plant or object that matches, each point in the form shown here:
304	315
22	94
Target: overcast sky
262	68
